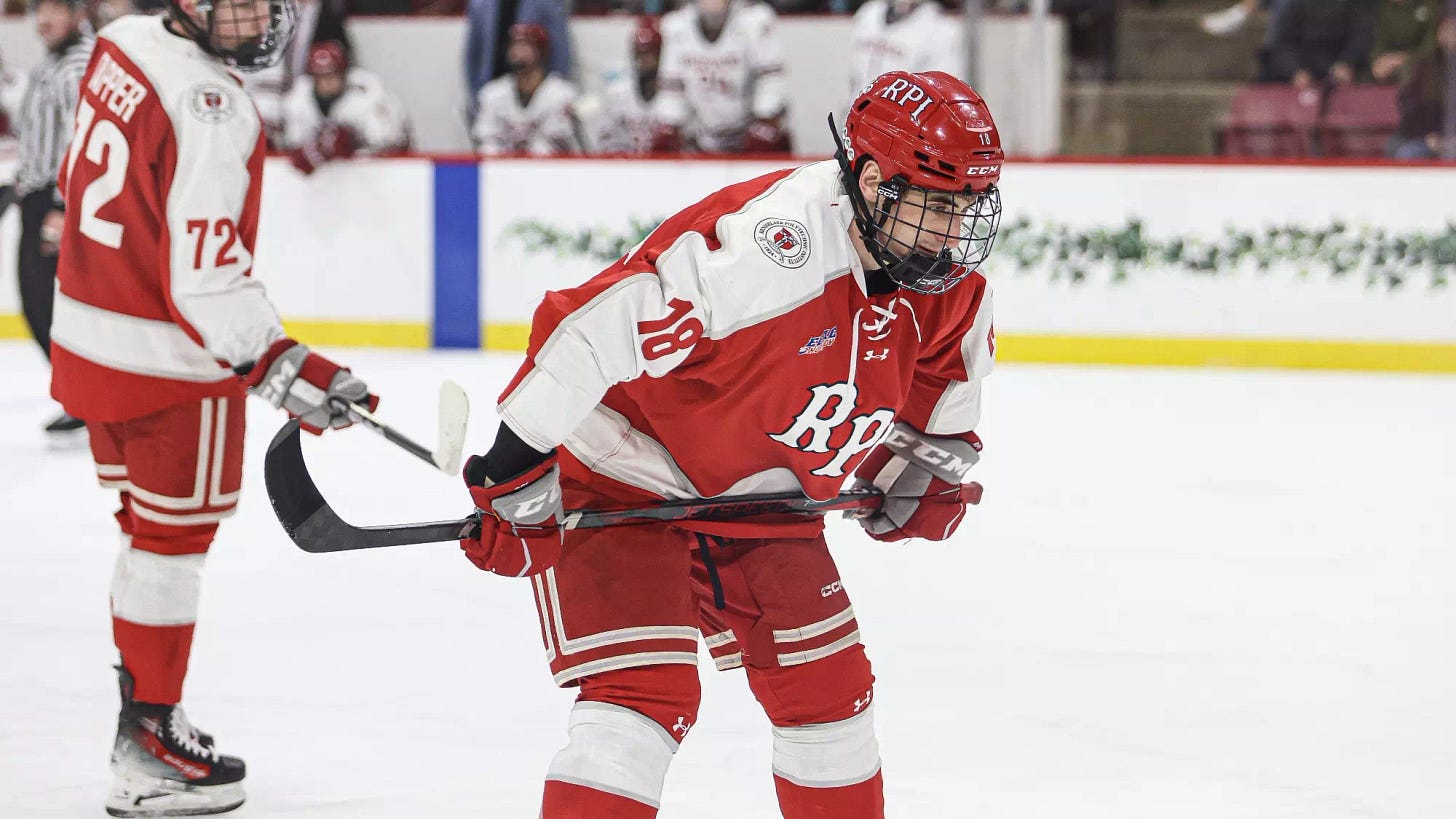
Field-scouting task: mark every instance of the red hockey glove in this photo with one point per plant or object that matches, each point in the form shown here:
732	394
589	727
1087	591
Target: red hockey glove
921	476
764	136
520	528
307	385
330	141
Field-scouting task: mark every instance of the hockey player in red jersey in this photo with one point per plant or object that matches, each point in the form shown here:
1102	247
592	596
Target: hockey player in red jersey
789	333
160	331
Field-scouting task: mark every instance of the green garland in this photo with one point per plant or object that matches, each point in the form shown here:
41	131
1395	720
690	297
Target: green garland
1386	259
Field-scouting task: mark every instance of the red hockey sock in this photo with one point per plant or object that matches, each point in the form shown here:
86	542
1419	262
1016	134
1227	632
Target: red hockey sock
864	800
156	656
564	800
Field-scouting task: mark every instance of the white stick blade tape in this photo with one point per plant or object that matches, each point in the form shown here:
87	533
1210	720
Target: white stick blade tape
454	419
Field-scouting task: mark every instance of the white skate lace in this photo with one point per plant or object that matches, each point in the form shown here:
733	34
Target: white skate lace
185	735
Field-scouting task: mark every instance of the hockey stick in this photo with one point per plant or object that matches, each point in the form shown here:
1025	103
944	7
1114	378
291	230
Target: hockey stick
314	526
454	417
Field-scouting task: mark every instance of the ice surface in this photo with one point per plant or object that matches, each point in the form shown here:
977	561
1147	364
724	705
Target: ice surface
1188	595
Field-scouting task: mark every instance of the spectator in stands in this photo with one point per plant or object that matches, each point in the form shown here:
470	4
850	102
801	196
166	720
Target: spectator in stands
1091	34
1423	99
909	35
488	24
530	110
722	86
340	111
318	21
1313	42
1225	22
625	124
1404	30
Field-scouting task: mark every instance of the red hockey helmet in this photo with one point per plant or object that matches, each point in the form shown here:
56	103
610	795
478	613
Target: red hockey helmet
931	133
646	37
534	34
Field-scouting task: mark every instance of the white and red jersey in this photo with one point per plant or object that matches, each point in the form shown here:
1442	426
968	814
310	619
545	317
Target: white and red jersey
713	90
156	301
925	39
366	107
736	350
626	122
542	125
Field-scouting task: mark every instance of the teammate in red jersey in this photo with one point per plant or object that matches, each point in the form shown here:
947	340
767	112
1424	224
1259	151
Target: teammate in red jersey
160	329
785	334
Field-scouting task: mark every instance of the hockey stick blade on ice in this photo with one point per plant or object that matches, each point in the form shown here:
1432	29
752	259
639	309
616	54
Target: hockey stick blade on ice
454	418
314	526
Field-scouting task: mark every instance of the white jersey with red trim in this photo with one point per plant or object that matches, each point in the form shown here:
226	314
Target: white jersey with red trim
626	122
156	301
366	107
542	125
926	39
759	362
714	89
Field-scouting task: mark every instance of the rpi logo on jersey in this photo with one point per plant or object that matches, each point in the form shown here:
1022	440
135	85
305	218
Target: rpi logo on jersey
829	417
784	241
211	103
819	343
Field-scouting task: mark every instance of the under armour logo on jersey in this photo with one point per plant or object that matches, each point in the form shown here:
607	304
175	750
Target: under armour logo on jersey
820	343
682	727
827	423
860	704
871	355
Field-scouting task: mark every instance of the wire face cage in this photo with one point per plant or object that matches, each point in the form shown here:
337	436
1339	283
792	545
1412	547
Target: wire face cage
928	240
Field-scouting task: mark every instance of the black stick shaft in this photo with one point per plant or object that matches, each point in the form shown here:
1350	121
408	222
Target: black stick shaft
362	414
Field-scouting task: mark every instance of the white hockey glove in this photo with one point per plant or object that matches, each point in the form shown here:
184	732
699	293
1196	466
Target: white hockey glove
307	385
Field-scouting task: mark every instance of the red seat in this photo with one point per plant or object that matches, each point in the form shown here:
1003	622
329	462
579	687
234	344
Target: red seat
1358	121
1270	121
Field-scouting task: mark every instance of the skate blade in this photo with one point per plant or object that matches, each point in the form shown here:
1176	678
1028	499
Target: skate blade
145	796
72	441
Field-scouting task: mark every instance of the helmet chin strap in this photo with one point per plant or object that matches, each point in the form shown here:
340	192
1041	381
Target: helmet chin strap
868	222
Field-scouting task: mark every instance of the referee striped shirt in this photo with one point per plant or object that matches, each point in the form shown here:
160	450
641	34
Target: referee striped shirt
47	114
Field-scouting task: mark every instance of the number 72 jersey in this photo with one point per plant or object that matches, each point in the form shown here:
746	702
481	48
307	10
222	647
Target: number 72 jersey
156	301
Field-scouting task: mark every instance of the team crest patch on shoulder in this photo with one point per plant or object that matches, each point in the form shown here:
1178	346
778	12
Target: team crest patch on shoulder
212	103
784	241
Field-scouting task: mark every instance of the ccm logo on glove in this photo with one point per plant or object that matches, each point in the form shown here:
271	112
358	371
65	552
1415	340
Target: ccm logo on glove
922	478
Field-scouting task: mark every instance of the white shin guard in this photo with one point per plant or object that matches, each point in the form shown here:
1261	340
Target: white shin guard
615	750
829	755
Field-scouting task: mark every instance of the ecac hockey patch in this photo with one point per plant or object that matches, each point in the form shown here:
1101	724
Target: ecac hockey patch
212	103
784	241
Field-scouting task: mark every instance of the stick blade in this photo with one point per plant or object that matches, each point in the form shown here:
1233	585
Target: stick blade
314	526
454	420
291	489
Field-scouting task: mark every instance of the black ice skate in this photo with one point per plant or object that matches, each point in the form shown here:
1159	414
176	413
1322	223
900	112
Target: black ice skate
162	766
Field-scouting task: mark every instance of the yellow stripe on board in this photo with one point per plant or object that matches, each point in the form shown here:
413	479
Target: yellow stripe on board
13	326
1228	352
1011	347
409	334
511	336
